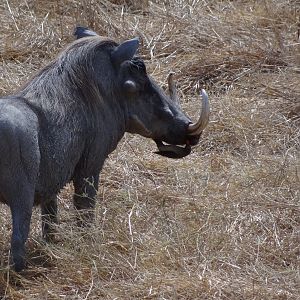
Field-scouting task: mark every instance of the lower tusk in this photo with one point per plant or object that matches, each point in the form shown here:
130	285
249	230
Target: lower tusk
172	89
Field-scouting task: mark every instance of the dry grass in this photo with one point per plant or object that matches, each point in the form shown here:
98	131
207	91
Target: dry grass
222	223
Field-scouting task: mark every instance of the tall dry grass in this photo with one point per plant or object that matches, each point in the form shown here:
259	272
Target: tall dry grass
222	223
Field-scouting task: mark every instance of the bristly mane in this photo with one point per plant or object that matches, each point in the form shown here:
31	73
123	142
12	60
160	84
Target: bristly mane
78	77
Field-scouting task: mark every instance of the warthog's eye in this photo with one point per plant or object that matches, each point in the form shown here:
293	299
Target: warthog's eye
130	86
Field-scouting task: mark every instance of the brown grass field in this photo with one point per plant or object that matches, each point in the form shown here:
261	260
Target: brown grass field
222	223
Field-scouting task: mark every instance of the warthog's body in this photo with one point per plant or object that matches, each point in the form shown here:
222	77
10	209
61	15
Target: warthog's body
65	121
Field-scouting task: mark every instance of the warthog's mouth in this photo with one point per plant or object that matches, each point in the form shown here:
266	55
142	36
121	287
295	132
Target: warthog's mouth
193	133
194	129
172	151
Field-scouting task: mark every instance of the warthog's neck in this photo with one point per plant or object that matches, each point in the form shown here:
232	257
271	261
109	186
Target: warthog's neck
113	123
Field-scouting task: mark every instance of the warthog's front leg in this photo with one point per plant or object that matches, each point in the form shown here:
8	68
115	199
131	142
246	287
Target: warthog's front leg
84	198
49	217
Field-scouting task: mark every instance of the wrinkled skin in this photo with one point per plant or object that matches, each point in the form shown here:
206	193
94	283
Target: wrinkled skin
64	122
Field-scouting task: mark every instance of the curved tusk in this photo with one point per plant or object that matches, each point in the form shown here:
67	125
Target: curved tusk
172	89
198	127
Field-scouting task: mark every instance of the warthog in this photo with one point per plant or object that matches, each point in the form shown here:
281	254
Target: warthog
62	124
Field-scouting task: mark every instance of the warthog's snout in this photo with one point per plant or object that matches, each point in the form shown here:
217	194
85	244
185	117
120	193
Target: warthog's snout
193	131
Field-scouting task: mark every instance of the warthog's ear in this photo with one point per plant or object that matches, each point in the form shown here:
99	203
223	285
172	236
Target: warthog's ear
81	32
125	51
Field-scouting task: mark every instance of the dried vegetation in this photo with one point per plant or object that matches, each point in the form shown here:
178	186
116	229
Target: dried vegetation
222	223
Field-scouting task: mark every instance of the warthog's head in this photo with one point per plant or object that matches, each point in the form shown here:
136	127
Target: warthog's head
150	112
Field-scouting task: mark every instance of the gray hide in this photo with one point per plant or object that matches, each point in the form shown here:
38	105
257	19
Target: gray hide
62	124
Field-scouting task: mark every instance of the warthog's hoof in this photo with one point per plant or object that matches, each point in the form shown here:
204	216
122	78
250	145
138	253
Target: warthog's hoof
18	263
19	266
18	254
